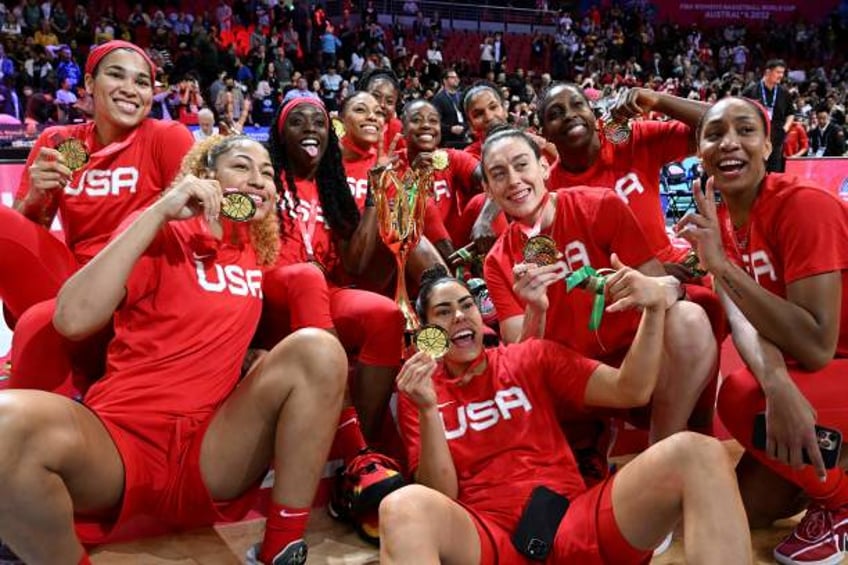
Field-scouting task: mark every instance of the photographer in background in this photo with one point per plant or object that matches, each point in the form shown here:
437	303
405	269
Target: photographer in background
190	100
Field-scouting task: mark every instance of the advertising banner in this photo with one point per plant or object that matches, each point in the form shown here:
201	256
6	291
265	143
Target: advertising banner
830	172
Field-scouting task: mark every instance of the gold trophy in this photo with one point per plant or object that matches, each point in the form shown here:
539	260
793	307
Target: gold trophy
400	202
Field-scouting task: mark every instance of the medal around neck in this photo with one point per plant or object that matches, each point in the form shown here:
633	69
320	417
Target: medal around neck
541	250
432	340
238	206
74	153
440	160
616	131
338	127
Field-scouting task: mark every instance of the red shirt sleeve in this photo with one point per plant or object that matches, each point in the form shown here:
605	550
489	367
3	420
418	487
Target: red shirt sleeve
619	229
169	147
434	226
462	166
666	141
563	372
804	237
497	271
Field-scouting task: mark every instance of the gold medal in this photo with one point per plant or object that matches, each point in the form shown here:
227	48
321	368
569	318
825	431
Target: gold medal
74	153
692	263
440	160
616	132
432	340
338	127
541	250
238	206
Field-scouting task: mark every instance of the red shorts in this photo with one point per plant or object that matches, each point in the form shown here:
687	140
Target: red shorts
588	535
163	487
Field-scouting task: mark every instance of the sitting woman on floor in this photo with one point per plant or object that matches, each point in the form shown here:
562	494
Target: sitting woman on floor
170	437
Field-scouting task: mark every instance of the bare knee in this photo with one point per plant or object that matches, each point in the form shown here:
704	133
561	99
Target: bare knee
313	356
408	507
691	454
688	329
27	434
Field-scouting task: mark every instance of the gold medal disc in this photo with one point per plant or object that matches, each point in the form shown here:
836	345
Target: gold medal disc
440	160
74	153
541	250
338	127
238	206
617	132
432	340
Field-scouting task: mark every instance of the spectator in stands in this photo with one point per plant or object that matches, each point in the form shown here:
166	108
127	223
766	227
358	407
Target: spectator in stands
206	123
499	52
797	143
64	99
7	65
61	23
826	139
46	36
775	97
330	44
300	90
331	83
139	156
434	54
111	458
67	67
460	512
448	101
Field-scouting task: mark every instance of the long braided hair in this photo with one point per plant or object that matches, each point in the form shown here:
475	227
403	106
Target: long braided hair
338	204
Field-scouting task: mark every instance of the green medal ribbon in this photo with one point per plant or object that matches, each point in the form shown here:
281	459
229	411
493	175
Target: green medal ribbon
588	278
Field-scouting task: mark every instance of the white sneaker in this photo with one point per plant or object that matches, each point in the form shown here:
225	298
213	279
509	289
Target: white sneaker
664	545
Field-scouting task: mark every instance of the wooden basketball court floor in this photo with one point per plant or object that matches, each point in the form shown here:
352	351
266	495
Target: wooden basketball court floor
332	543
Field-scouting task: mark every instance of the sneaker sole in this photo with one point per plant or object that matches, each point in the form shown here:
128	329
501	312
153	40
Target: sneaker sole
372	496
784	560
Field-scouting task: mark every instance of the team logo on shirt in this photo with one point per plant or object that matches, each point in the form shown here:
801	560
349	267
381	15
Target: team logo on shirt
441	190
97	182
230	278
358	188
759	264
627	185
479	416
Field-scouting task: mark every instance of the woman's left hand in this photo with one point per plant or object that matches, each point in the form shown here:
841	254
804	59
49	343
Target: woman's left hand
632	103
702	229
629	289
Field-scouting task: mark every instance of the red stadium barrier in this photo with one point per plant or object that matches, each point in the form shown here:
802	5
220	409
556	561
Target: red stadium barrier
830	172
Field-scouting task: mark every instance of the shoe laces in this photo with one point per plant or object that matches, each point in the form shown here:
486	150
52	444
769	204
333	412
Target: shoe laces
816	523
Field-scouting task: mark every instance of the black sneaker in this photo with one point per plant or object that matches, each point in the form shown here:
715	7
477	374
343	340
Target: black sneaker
293	554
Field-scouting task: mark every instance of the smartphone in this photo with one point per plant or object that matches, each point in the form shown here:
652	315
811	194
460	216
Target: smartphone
829	439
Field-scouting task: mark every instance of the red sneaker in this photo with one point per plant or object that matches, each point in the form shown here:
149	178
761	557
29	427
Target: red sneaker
819	539
366	480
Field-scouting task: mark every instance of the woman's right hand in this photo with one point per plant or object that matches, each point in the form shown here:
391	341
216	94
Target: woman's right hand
531	282
189	197
415	380
790	428
48	171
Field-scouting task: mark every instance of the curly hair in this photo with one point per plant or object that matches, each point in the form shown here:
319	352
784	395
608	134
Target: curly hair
202	158
338	204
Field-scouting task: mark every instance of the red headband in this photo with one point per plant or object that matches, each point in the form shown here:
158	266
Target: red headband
765	114
96	55
281	120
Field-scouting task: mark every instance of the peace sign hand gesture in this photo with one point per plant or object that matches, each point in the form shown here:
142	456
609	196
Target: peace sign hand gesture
702	228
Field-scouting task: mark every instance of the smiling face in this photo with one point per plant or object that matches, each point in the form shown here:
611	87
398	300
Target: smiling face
364	120
733	145
484	110
422	126
246	167
568	120
384	92
122	87
514	176
305	135
452	308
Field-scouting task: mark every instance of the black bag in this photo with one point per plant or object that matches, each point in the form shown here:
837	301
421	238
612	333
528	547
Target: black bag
534	535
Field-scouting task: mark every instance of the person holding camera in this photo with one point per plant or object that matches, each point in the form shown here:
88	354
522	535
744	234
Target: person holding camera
777	247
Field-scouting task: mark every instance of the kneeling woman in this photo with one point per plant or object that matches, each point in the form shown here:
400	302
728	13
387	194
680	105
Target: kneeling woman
167	437
482	419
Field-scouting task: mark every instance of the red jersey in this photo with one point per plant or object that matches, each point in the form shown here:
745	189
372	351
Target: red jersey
795	230
192	305
306	228
453	187
475	149
590	224
502	427
356	170
632	170
394	127
118	179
